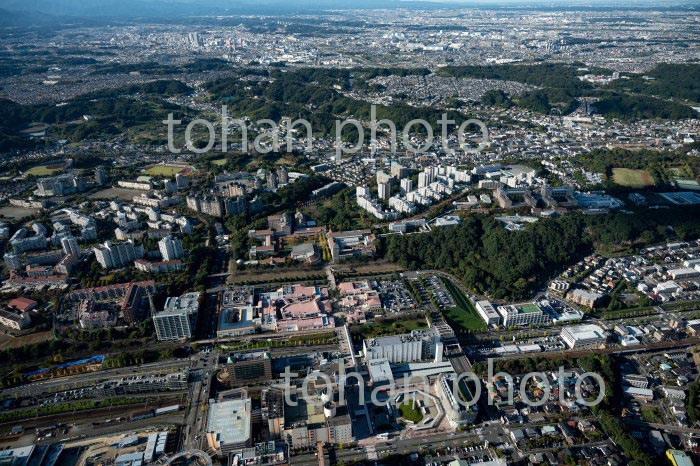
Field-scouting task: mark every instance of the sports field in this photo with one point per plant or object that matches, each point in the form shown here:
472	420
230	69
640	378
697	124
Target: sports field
164	170
632	178
45	170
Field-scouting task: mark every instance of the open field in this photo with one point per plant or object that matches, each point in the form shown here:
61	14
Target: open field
16	212
124	194
164	170
632	178
9	341
219	162
464	315
45	170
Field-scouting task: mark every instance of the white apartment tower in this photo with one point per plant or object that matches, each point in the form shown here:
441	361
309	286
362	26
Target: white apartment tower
170	248
384	191
70	245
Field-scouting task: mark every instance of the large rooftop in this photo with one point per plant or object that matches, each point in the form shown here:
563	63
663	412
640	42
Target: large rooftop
229	420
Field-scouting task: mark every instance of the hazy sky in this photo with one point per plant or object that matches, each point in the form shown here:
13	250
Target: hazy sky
180	8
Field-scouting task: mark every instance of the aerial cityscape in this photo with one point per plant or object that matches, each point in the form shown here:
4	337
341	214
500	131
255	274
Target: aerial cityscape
444	233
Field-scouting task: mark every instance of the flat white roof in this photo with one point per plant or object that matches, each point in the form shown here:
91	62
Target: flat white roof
230	420
585	332
379	370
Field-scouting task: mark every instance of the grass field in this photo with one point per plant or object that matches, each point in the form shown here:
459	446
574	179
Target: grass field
391	327
410	413
219	162
464	314
632	178
651	414
163	170
44	170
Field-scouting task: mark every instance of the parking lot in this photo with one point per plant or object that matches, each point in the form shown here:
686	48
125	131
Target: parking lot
394	295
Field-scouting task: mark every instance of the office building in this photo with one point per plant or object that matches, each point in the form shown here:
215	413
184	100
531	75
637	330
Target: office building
586	335
178	319
419	345
229	425
512	315
236	321
33	455
345	244
307	424
458	413
246	367
488	313
60	185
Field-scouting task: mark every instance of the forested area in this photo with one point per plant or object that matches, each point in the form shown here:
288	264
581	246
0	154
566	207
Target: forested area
634	98
641	107
692	402
657	163
154	68
285	199
552	75
112	111
341	212
492	260
310	94
511	264
668	80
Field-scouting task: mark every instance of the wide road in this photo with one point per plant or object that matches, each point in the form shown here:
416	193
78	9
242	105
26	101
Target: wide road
436	441
71	382
196	412
574	353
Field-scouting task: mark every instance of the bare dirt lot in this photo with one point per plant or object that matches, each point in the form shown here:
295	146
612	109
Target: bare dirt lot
124	194
9	341
16	212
